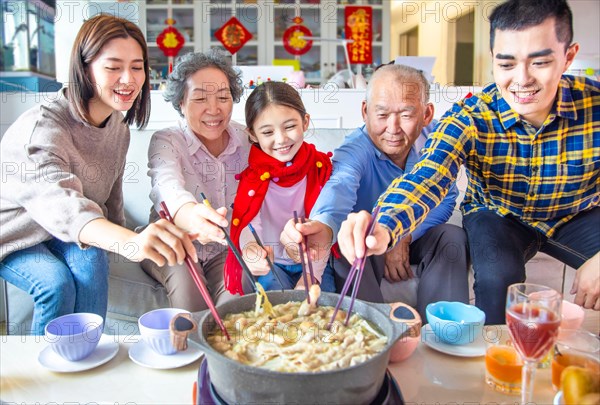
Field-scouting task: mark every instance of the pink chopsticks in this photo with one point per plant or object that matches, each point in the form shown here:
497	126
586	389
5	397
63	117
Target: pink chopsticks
308	262
355	274
164	213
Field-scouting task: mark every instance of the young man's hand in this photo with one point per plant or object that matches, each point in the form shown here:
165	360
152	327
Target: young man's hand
586	286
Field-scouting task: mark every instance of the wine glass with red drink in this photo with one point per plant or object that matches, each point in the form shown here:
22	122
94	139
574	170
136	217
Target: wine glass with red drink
533	318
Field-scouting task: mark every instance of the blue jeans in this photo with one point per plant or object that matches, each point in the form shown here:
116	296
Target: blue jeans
290	275
500	247
61	277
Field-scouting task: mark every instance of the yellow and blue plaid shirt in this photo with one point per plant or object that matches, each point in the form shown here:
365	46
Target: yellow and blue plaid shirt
542	176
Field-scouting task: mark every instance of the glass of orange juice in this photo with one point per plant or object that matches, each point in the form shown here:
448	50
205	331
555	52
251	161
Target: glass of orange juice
575	347
503	364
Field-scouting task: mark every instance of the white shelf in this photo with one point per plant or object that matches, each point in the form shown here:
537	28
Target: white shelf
186	45
264	48
165	6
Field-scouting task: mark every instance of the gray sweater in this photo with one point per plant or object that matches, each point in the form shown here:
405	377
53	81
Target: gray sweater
58	174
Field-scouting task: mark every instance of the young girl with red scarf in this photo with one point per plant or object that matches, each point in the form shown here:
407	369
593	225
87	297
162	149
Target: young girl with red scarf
284	174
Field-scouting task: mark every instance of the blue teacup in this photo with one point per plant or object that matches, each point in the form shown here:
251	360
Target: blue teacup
455	323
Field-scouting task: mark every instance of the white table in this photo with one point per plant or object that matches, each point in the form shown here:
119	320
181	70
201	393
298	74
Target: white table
431	377
426	377
24	380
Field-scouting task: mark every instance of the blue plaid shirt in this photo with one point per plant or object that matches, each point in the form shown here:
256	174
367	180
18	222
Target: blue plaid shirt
542	176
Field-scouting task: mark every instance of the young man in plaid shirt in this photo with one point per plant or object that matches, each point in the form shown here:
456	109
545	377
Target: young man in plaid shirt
530	143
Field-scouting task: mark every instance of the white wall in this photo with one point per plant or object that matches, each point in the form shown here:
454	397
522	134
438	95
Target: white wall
436	22
69	17
586	26
436	32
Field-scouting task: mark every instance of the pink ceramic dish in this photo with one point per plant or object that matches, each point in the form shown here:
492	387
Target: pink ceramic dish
572	315
404	347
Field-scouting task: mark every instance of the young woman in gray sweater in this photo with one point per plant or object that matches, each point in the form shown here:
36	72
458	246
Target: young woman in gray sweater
62	164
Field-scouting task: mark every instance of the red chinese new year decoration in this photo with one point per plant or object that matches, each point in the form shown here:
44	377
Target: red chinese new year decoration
233	35
170	41
359	28
293	38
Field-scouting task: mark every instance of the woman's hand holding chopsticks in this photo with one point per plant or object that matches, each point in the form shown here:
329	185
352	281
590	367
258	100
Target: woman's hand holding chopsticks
203	221
351	237
160	242
166	215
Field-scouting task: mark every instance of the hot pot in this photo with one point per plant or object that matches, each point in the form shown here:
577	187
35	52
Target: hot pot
239	383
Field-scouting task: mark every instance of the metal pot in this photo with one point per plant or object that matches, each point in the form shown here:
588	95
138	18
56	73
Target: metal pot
239	383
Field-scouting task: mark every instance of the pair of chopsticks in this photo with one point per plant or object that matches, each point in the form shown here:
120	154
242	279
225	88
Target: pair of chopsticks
269	262
355	274
234	249
307	263
165	214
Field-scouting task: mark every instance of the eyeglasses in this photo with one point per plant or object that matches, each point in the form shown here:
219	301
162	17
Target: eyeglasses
384	64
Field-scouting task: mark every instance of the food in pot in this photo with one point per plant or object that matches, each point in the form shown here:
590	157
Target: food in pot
287	341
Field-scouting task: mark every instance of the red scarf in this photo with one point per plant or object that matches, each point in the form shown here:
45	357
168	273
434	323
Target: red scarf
253	186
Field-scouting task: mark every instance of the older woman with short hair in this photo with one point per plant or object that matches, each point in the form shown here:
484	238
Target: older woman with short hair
201	154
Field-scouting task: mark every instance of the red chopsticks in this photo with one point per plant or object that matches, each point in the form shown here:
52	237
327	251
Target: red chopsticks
355	274
308	262
164	213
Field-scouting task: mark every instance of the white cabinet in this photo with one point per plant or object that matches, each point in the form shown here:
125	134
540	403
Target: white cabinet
266	20
152	20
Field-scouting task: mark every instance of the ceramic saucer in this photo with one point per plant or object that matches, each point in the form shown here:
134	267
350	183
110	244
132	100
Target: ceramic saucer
473	349
559	398
107	349
142	354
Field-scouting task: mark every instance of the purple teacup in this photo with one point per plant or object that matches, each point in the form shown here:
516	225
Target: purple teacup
74	336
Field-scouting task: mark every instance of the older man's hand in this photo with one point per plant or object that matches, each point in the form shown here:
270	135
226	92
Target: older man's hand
319	239
351	237
397	262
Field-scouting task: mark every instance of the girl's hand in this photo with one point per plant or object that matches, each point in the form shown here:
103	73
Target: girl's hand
319	239
162	242
256	258
300	283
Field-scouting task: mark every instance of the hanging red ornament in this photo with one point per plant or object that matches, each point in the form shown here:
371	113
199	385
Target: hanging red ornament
170	41
293	38
359	28
233	35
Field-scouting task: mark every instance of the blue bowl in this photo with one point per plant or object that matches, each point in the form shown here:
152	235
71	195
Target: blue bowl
455	323
74	336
